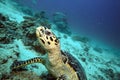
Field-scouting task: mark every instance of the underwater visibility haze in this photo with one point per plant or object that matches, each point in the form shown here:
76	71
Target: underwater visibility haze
99	19
59	39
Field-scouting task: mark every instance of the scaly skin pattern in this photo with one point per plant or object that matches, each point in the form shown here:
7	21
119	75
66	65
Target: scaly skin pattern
54	62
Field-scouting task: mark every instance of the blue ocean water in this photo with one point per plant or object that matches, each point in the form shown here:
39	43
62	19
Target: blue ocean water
98	19
88	32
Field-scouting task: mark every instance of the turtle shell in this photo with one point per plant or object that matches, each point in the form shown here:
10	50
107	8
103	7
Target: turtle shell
73	62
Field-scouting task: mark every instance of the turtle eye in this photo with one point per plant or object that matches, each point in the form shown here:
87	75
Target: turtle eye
48	33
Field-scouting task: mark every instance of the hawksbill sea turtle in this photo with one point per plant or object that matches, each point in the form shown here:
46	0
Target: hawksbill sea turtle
61	65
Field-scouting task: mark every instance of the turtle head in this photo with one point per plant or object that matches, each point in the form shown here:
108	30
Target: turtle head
47	39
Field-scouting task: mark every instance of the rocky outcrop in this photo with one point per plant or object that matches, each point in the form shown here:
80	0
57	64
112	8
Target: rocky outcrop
60	21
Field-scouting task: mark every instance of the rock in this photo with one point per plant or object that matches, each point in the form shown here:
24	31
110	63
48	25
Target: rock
45	22
27	23
42	19
26	11
65	36
10	30
7	56
83	59
100	77
29	18
59	16
21	75
2	24
97	49
40	15
3	17
7	30
117	76
109	73
60	21
2	37
81	39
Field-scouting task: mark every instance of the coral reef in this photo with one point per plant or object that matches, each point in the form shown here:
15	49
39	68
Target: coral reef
109	73
81	39
8	53
26	10
25	30
21	75
42	19
97	49
9	31
3	17
60	21
97	66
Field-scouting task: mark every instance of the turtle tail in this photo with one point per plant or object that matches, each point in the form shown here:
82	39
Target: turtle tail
20	64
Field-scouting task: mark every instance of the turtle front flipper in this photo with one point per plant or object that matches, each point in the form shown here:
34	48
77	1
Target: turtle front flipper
19	64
